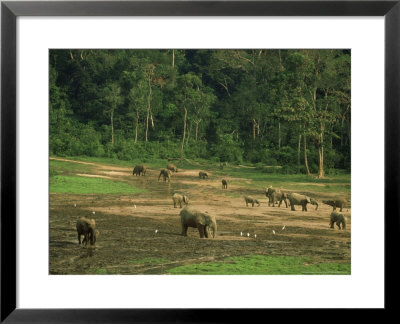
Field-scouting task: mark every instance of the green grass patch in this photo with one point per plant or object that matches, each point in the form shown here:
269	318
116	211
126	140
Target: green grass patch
264	265
103	271
85	185
67	167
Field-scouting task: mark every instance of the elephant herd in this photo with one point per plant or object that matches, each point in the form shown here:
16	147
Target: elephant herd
293	199
205	223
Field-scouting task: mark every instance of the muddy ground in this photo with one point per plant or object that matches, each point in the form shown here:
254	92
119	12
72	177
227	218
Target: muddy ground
128	242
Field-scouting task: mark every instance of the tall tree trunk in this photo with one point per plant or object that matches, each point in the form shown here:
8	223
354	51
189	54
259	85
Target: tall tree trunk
112	125
148	108
305	156
254	129
298	153
321	172
197	129
137	126
184	133
173	59
279	135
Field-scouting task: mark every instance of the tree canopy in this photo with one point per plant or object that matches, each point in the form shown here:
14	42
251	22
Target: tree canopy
289	108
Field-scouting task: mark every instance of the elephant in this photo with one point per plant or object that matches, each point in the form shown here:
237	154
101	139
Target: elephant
206	224
178	199
251	200
336	202
339	219
203	175
224	184
139	169
296	199
314	202
87	228
222	164
275	195
166	175
172	167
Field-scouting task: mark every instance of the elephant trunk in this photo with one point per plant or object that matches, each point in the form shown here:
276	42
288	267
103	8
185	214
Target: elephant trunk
213	225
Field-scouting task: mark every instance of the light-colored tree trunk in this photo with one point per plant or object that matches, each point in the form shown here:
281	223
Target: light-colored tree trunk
148	108
279	136
137	126
112	125
305	156
184	133
321	172
298	152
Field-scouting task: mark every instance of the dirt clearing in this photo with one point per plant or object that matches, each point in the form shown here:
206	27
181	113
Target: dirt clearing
140	233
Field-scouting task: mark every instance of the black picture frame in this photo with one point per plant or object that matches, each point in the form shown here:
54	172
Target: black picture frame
10	10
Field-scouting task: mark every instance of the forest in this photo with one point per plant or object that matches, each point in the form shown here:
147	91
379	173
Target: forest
285	111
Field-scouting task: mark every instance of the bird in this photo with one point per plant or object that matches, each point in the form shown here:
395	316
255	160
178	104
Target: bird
255	235
273	232
241	233
283	227
93	213
248	234
134	206
75	205
156	231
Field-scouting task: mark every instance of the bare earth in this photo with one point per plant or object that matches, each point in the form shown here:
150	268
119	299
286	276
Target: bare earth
128	242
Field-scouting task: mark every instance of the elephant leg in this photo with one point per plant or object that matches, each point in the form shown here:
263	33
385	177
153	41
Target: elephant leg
292	206
79	239
201	230
331	224
180	204
305	208
338	224
184	230
341	208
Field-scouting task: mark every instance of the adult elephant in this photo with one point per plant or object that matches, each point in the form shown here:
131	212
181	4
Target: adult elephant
166	174
139	169
172	167
87	228
203	175
297	199
206	224
276	195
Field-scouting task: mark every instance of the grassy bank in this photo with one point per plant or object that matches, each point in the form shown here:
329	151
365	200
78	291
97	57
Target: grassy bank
263	265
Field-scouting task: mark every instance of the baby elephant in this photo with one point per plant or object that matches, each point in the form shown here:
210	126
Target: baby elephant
166	174
178	199
296	199
203	175
339	219
336	202
224	184
251	200
87	228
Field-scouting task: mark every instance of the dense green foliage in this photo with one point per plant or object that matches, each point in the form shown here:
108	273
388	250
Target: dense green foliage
288	108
